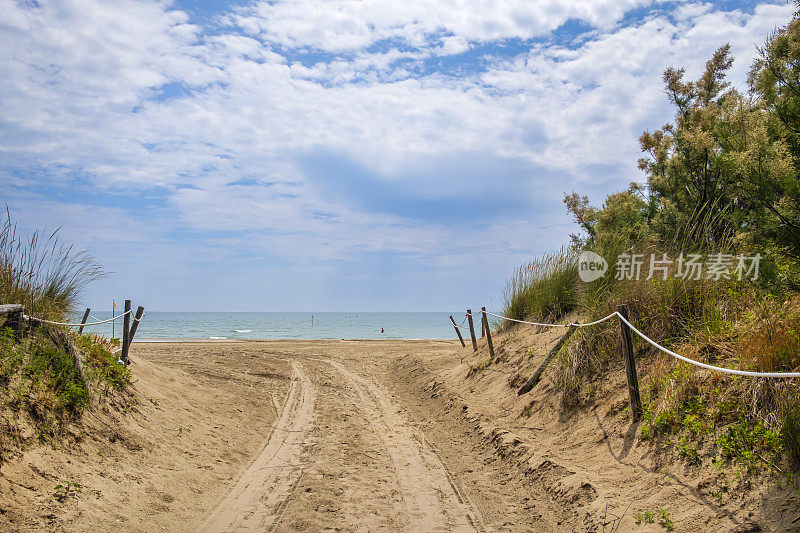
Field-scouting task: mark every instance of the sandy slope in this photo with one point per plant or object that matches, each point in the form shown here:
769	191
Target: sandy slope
357	436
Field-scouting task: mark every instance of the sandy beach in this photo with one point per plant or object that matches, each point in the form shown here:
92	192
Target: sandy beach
293	435
355	436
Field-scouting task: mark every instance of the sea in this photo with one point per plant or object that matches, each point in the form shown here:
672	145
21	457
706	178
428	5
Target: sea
162	325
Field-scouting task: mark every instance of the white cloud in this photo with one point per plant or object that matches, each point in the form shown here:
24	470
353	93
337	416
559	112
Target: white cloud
82	79
340	25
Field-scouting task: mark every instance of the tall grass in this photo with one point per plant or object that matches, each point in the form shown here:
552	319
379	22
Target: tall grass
544	288
42	272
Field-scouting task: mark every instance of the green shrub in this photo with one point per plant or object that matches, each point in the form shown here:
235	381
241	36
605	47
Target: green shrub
102	364
10	354
790	432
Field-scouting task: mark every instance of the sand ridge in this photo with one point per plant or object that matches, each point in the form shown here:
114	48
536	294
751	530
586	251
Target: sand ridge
256	500
432	499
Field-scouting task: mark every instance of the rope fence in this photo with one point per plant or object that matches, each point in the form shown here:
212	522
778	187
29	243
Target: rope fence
630	365
129	326
81	323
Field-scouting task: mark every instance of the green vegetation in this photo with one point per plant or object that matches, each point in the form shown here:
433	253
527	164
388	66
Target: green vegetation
66	490
39	379
722	178
40	386
41	272
543	288
649	517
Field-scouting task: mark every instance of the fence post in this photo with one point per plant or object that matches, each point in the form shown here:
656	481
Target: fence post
135	325
630	364
19	326
83	320
458	332
472	330
485	326
126	326
537	374
16	318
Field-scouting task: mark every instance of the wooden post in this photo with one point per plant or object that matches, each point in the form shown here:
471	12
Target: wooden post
19	327
537	374
472	330
126	326
630	364
16	318
458	332
135	325
83	320
485	326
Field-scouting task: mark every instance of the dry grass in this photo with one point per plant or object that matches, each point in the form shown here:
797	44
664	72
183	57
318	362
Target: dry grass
770	342
544	288
42	272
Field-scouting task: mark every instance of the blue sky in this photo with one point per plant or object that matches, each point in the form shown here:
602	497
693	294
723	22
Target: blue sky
336	155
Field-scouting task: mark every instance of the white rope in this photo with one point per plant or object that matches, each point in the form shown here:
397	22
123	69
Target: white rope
704	365
85	324
134	319
530	323
663	349
595	322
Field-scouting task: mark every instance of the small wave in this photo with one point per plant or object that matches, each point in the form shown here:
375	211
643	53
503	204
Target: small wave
218	338
243	330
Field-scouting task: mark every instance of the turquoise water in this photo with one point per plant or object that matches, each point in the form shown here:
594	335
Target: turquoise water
168	325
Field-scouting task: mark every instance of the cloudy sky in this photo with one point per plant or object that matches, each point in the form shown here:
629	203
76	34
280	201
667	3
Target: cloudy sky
336	154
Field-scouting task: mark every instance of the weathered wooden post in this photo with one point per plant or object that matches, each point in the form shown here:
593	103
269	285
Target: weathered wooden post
472	330
458	332
630	364
16	318
485	326
537	374
83	320
135	325
19	327
126	326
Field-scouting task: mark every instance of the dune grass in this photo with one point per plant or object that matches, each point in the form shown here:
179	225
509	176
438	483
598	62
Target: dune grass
544	288
41	271
39	383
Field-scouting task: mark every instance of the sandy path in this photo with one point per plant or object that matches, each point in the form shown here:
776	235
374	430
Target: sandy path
276	436
256	501
432	498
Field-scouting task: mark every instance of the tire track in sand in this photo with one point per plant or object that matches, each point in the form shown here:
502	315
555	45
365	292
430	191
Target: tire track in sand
257	499
430	492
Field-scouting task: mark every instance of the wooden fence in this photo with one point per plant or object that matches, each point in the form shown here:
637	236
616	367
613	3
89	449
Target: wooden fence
626	339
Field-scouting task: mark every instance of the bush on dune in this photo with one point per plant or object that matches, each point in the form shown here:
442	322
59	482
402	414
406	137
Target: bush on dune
722	178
